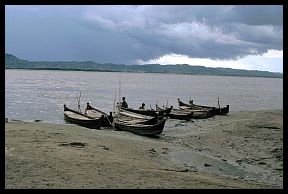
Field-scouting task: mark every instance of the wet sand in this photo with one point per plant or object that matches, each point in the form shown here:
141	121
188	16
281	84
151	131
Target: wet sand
240	150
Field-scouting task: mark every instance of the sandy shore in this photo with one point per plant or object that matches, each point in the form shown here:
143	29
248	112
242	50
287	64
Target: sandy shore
241	150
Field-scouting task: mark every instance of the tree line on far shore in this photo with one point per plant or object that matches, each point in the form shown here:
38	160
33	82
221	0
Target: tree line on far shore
12	62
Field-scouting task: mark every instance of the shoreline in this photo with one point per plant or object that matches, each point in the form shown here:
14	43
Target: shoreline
241	150
111	71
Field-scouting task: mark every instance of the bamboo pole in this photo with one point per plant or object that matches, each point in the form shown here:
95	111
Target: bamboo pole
219	105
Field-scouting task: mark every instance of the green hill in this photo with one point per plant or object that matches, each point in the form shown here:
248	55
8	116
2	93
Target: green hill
12	62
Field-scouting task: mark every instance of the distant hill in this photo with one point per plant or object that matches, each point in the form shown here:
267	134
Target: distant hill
12	62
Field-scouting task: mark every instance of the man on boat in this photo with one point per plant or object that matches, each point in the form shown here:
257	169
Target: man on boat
88	107
142	106
124	104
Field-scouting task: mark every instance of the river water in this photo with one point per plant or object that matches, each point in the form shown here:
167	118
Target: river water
40	94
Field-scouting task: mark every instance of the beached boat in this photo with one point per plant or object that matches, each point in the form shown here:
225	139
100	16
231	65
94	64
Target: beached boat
180	114
81	119
216	111
213	110
149	112
96	113
139	128
198	112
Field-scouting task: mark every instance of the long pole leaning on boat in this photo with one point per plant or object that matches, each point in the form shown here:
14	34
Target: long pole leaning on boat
114	102
219	105
119	88
117	107
78	101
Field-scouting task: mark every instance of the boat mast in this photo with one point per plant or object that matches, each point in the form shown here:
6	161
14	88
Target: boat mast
119	88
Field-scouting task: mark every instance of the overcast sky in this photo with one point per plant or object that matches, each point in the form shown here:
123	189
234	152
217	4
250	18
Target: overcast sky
240	37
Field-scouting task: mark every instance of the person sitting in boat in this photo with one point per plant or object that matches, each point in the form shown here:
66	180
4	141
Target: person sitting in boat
142	106
157	107
88	107
124	104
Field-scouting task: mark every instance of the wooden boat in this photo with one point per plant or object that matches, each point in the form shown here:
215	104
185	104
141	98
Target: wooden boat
139	128
96	113
149	112
216	111
81	119
198	112
181	114
186	106
213	110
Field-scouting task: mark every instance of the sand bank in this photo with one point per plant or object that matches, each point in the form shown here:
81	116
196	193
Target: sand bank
241	150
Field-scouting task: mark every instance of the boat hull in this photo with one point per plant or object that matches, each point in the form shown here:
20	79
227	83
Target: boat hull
212	110
140	129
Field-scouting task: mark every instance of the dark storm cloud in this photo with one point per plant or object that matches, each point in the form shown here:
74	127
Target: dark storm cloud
218	32
258	15
124	34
